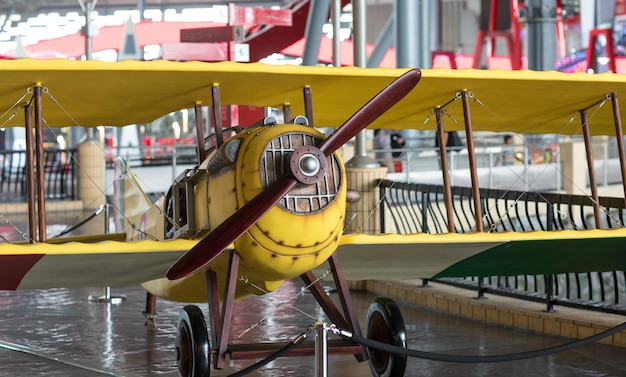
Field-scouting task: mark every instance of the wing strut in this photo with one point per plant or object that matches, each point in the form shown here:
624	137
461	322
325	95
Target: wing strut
200	133
217	114
471	153
41	194
447	189
30	173
619	136
35	169
591	168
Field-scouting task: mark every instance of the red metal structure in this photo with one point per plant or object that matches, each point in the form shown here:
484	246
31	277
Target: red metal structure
503	22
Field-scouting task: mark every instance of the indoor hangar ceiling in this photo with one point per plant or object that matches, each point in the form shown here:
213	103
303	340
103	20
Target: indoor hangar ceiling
34	7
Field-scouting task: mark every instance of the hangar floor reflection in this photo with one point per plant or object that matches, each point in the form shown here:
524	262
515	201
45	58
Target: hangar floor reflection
59	332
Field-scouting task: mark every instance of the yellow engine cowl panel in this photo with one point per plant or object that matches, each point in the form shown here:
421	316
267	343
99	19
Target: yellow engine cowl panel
222	198
304	228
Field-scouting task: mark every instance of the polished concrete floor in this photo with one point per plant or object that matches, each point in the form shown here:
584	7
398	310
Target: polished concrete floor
59	332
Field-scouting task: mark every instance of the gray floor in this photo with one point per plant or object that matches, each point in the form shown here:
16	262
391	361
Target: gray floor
59	332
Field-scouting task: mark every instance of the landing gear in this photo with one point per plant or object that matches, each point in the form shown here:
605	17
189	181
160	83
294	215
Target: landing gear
192	343
385	324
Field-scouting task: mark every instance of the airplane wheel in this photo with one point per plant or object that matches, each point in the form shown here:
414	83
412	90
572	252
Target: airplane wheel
192	343
385	324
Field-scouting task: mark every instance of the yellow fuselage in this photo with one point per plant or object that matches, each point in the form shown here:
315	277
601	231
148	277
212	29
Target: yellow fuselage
285	242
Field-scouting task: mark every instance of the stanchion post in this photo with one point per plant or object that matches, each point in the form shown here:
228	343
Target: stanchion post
106	296
321	349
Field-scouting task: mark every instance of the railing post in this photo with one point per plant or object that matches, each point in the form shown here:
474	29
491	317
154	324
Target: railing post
481	289
549	282
381	195
550	217
425	204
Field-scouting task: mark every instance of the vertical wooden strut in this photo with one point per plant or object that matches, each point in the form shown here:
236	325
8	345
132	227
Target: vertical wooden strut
215	319
308	105
447	190
41	194
287	113
30	174
227	309
217	114
619	136
200	132
591	168
471	154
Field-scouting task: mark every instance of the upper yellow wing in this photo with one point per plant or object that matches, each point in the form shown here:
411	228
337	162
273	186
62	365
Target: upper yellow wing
98	93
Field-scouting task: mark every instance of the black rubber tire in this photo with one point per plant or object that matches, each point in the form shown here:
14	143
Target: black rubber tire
385	324
192	343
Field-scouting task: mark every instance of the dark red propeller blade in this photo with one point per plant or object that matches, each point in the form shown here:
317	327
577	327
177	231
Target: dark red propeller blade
226	233
367	114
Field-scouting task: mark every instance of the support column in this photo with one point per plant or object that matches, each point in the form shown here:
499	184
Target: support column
361	159
91	174
541	19
574	179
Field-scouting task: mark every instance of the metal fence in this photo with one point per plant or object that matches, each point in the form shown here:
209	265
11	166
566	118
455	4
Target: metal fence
60	167
59	174
419	208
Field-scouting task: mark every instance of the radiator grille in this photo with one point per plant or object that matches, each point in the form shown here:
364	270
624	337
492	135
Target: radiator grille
301	199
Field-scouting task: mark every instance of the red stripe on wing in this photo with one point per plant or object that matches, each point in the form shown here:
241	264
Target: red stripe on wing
13	268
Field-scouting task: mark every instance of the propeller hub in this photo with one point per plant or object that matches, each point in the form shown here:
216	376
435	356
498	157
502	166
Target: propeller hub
307	164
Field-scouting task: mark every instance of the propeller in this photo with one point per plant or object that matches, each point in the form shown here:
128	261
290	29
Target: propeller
307	165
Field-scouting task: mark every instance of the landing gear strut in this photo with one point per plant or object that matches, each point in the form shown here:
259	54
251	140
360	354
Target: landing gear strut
385	324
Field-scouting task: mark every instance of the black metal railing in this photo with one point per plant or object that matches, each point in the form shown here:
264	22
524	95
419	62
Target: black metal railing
420	208
59	174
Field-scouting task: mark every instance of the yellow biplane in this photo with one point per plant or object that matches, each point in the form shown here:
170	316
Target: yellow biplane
268	204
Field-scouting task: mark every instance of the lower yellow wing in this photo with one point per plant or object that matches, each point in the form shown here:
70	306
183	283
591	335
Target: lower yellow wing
77	264
414	256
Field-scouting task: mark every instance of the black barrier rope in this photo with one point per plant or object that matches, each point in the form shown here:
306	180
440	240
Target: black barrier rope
475	359
286	348
76	226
